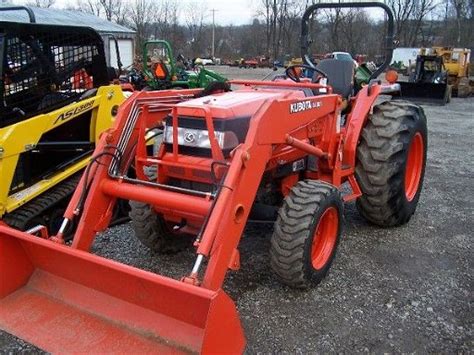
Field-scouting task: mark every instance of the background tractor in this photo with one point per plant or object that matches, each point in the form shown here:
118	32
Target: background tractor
290	151
428	81
56	100
163	71
438	74
456	62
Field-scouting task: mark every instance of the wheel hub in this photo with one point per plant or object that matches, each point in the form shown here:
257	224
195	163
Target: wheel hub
414	166
324	238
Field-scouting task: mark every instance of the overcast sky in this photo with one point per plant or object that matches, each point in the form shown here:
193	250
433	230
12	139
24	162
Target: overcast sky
235	12
228	12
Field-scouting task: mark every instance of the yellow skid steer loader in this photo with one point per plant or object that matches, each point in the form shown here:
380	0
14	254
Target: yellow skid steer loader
55	102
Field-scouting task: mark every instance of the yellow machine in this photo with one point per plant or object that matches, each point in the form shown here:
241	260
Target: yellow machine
293	61
24	141
456	61
56	101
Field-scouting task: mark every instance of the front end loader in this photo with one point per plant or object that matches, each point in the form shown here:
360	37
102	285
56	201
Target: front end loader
297	147
428	82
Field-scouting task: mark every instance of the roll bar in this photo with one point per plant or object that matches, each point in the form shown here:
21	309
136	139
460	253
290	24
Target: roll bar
28	10
389	40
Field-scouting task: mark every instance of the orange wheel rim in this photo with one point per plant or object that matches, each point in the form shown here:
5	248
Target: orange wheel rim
324	238
414	166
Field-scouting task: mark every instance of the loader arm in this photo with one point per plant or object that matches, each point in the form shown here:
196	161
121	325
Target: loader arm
96	218
268	128
224	214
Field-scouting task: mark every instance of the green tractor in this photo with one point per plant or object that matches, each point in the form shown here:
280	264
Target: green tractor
162	71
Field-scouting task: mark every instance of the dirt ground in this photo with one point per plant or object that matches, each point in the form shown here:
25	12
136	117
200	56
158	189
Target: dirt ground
405	289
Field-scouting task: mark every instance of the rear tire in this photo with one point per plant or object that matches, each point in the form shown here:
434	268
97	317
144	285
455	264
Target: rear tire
391	159
306	234
154	232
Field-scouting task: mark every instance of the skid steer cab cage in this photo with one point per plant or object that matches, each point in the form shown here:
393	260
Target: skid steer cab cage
82	302
45	67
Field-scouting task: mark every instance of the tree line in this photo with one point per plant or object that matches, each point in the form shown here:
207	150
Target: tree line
275	29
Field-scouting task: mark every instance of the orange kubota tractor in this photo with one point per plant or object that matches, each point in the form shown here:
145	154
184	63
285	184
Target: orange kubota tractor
289	145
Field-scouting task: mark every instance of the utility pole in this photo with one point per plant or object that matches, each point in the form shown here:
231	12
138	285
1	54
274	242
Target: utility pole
213	33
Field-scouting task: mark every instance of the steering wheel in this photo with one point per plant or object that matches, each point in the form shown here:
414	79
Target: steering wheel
292	73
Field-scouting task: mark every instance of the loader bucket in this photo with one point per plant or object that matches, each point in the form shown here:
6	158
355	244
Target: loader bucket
67	301
425	92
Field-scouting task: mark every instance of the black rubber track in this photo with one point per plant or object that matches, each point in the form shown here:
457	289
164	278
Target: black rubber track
291	242
23	217
153	232
381	161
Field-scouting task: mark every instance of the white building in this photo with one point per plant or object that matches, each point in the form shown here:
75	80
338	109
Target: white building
108	30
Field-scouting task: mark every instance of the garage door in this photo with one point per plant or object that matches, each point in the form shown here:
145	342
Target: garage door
126	52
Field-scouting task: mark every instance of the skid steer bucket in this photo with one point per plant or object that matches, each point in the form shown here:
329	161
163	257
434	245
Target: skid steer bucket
437	94
64	300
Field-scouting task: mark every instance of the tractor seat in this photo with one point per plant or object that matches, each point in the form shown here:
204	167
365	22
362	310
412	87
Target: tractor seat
340	75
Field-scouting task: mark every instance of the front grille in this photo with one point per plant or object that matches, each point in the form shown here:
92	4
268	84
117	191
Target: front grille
238	125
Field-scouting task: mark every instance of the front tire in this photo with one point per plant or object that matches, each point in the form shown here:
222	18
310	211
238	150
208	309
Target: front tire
306	234
154	232
391	160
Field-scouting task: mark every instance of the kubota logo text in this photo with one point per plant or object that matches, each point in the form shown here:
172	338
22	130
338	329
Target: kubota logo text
73	112
304	105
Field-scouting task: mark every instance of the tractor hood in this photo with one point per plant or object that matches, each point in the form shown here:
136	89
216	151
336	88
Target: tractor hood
230	105
231	113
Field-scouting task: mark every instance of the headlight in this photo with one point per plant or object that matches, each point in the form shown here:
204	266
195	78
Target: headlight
199	138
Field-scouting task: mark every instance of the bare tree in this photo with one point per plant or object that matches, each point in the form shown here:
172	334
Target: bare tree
121	13
402	11
92	7
409	18
142	15
335	19
279	21
422	9
195	15
110	7
460	9
355	29
41	3
267	13
167	19
291	29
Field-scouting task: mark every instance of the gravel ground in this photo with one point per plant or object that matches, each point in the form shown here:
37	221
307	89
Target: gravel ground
405	289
